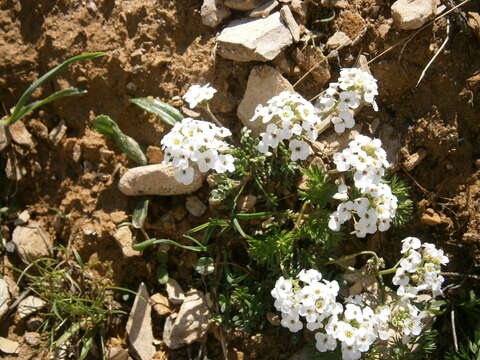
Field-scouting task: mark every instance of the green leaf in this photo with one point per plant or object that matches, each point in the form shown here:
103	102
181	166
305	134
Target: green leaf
56	95
140	214
165	112
87	346
253	215
145	244
28	93
106	126
162	275
204	266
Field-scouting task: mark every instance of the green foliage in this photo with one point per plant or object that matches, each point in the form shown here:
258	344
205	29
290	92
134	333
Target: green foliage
405	206
318	190
163	111
419	348
470	350
79	307
106	126
273	250
270	176
21	109
243	301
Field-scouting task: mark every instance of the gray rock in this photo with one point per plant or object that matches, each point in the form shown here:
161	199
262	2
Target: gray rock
213	13
32	338
28	306
413	14
4	138
195	206
243	4
4	297
338	41
32	242
160	304
251	39
292	25
124	238
8	346
300	8
20	134
264	82
157	179
175	293
22	218
58	133
117	353
264	10
139	326
13	170
190	324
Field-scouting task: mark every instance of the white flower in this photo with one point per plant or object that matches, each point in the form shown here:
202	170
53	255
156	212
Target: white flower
225	163
300	150
309	276
334	222
350	352
290	118
346	333
184	176
197	94
293	323
195	142
353	312
401	278
410	243
342	192
325	342
349	99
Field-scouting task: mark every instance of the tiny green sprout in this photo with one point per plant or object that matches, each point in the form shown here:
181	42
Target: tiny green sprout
21	109
165	112
106	126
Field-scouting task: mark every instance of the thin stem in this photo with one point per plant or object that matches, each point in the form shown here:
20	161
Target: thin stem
206	107
300	214
391	270
348	257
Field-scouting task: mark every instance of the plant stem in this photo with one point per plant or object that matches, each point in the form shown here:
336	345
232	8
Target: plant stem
300	214
391	270
348	257
206	107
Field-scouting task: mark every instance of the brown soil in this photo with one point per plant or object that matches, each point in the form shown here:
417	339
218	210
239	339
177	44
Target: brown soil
160	49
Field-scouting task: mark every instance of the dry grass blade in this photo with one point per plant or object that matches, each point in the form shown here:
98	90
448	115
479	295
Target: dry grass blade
440	49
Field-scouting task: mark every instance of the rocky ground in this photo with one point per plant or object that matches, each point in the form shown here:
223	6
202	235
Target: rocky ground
67	185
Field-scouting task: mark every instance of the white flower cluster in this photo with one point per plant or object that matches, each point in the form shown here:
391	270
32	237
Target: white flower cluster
354	88
355	324
197	94
289	117
196	143
377	206
419	269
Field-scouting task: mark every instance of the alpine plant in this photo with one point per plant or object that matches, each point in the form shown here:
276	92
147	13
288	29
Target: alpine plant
196	143
361	320
354	88
376	206
289	117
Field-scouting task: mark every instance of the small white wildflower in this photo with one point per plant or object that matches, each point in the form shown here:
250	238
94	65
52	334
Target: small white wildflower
197	94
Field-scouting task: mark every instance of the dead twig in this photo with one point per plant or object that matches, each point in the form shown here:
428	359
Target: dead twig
454	331
440	49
